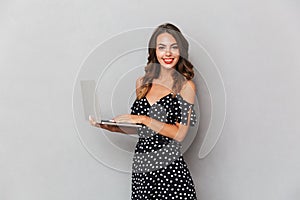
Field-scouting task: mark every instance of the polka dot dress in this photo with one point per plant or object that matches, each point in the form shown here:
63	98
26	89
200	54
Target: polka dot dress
159	171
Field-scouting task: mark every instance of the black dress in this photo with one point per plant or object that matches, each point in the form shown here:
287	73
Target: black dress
159	170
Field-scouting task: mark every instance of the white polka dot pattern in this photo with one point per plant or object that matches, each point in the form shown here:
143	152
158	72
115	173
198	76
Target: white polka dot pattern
159	170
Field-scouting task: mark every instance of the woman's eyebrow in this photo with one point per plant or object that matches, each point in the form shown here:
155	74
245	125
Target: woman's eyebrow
166	45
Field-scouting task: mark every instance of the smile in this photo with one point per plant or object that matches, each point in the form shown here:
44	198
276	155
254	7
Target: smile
168	60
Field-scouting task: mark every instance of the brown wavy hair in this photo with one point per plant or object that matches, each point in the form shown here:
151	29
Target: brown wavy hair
184	67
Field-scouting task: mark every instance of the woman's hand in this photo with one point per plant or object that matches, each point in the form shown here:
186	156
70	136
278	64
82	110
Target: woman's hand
127	118
93	122
111	128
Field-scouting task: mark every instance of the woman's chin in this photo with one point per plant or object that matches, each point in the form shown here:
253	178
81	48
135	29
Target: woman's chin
167	66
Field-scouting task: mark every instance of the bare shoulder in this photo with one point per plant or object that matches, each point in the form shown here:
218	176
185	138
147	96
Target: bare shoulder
188	91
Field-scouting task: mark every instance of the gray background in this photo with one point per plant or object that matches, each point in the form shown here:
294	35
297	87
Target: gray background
254	43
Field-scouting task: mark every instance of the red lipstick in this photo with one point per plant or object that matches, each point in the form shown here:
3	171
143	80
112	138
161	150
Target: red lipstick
168	60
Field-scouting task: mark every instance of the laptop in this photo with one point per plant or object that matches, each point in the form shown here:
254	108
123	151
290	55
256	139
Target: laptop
121	124
91	105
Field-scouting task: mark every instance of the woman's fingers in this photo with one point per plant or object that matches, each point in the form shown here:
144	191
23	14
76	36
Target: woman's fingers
128	118
123	118
93	121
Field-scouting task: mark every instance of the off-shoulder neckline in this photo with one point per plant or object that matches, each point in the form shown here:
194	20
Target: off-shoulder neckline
160	99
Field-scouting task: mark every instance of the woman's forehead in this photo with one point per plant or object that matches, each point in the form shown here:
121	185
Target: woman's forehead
165	38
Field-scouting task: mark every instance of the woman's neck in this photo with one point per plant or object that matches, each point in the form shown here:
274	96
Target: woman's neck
165	74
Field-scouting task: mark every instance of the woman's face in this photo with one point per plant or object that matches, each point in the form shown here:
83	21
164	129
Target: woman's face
167	51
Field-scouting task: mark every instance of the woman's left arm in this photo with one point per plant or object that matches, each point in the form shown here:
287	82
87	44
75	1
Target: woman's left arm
176	131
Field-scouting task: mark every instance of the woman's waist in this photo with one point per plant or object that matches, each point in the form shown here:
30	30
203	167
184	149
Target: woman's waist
156	143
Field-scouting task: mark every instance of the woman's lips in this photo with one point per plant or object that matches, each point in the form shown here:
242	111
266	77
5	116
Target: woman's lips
168	60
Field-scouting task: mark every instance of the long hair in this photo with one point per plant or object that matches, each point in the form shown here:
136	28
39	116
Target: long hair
183	69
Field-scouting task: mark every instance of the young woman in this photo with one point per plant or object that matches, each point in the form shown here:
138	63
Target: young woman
164	106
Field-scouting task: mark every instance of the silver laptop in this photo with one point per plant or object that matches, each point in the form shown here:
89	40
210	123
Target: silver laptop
91	105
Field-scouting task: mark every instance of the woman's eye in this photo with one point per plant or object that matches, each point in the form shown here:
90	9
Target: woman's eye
161	48
175	47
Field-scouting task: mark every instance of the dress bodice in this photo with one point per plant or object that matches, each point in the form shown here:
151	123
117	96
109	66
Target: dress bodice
167	109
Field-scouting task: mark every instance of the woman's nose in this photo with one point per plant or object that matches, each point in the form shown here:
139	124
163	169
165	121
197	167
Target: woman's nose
168	51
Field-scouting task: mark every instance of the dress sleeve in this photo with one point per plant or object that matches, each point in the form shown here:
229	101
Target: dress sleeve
183	114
